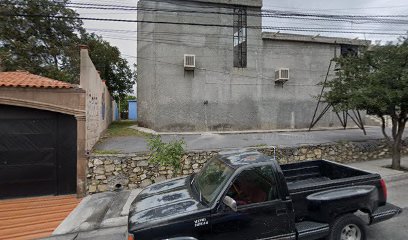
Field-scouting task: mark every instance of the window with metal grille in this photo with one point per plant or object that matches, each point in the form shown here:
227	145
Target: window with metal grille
349	50
240	38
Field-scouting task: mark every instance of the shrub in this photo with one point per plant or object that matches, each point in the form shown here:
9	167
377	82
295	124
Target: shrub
166	154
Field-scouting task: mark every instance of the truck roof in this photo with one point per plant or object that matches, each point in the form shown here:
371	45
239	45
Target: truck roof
238	158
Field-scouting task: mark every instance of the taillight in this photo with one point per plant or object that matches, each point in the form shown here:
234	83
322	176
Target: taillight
130	237
384	189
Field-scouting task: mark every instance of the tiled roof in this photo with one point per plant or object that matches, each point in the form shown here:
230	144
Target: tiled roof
26	79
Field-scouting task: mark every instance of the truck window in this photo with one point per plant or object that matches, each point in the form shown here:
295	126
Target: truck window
212	178
254	186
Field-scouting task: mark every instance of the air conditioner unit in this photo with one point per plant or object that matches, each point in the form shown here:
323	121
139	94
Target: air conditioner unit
189	62
282	75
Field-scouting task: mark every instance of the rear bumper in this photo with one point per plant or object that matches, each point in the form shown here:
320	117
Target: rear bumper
384	213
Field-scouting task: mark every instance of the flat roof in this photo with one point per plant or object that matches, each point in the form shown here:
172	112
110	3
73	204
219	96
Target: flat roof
276	36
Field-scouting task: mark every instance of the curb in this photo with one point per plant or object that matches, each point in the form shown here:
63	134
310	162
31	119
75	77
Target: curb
153	132
396	177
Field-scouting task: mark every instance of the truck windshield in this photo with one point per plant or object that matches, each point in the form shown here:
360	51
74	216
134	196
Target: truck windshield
212	178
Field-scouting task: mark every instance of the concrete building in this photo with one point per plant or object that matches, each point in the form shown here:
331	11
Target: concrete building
233	84
47	129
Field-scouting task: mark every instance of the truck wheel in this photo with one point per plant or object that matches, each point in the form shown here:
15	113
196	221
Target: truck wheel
348	227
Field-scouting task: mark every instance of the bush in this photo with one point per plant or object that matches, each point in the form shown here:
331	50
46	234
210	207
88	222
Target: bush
166	154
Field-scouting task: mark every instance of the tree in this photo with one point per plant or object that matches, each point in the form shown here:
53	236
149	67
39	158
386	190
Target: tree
32	39
42	45
376	80
114	69
124	105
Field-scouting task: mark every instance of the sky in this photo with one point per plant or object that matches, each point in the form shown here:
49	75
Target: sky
126	41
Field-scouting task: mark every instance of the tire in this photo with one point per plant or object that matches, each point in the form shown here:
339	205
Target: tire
348	225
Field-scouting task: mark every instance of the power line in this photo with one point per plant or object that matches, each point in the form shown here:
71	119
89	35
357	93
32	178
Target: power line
192	24
268	12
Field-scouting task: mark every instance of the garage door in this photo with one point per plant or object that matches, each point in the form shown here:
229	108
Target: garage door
37	152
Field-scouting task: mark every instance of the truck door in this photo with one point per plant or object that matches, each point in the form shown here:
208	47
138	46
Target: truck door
261	213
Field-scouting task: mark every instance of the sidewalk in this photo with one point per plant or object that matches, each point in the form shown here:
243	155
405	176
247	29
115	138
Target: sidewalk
378	166
98	216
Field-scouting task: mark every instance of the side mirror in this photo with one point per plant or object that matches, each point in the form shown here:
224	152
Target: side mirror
231	203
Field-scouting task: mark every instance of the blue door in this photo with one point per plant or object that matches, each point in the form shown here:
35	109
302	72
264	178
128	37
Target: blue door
132	110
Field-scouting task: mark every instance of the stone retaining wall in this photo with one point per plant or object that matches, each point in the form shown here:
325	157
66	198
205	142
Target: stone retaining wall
129	171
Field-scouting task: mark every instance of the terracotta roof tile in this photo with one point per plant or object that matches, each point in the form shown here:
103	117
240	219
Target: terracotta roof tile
26	79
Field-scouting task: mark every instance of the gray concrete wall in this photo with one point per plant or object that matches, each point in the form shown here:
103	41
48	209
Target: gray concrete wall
173	99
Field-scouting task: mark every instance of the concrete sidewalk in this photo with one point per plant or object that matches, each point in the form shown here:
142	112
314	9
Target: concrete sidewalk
381	167
102	216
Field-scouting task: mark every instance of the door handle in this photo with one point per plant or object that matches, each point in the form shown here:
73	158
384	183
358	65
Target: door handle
282	211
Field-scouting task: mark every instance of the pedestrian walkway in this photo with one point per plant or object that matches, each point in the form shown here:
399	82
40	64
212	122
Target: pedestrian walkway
381	167
31	218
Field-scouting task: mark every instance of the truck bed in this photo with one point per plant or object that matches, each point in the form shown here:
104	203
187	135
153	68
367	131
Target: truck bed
309	177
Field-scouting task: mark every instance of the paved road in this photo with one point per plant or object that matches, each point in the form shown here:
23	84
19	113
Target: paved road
225	141
396	228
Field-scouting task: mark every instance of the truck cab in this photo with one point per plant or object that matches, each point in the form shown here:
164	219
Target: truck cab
245	195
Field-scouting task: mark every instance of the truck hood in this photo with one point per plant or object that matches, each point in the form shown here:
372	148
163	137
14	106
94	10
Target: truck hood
162	202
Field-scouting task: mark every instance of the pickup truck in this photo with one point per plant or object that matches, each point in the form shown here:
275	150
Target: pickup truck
245	194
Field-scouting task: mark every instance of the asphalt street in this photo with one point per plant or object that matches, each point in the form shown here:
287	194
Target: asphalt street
224	141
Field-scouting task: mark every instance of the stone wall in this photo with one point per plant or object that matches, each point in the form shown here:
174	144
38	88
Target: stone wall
129	171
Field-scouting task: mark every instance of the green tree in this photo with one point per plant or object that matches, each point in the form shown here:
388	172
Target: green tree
42	45
375	80
124	105
114	69
31	39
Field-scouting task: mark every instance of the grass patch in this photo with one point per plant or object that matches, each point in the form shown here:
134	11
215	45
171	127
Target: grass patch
260	145
343	142
103	152
122	129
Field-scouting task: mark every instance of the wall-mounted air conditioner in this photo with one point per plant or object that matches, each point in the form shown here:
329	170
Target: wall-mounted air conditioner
282	75
189	62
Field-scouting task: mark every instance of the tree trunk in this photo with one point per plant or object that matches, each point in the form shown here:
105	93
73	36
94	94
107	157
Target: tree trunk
396	156
394	143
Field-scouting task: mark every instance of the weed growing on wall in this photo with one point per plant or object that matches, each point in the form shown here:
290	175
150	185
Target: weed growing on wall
166	154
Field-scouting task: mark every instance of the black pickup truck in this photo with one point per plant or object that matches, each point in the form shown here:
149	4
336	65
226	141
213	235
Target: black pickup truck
247	195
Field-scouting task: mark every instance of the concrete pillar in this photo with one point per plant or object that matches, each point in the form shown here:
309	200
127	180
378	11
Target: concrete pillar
81	156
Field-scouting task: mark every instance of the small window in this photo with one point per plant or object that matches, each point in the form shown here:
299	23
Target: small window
349	50
254	186
240	38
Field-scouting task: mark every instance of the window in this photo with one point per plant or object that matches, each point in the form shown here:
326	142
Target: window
240	38
254	186
212	178
349	50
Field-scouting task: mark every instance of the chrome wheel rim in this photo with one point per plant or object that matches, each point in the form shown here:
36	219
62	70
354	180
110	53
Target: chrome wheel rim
351	232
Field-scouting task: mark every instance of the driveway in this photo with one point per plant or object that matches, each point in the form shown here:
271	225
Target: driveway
213	141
